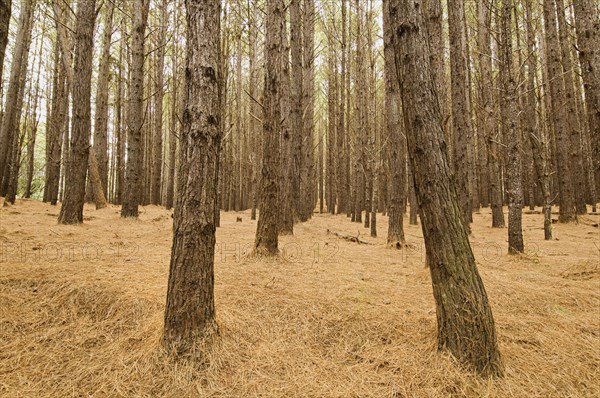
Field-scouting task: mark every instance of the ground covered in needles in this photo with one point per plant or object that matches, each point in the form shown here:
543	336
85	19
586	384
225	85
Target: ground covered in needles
81	311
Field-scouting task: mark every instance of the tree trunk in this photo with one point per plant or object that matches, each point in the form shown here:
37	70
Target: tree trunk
190	323
286	214
510	123
71	211
14	97
533	132
558	116
5	11
101	116
133	174
395	236
94	175
159	93
266	242
465	322
461	117
588	46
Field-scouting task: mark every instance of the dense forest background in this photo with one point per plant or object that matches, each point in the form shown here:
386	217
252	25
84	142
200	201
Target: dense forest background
345	149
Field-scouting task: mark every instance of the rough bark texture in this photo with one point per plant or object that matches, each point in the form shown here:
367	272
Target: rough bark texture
286	208
510	124
71	211
395	235
307	178
94	175
14	96
296	99
266	242
587	24
461	118
101	116
5	10
135	122
570	104
557	114
159	92
465	322
190	323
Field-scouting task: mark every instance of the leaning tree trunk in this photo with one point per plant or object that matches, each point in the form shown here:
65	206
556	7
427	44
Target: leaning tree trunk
71	211
465	322
266	242
190	323
133	174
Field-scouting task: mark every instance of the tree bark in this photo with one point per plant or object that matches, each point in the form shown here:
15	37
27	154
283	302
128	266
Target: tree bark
510	124
14	96
587	25
558	116
266	242
5	11
461	117
397	142
190	323
71	211
465	322
101	116
135	123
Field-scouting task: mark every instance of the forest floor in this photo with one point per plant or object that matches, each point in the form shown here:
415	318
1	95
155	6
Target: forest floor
81	311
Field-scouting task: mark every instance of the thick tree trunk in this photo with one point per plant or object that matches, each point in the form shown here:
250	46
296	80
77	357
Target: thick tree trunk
134	172
465	322
266	242
71	211
190	323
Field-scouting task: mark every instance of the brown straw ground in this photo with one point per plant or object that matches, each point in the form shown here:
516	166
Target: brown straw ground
81	311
